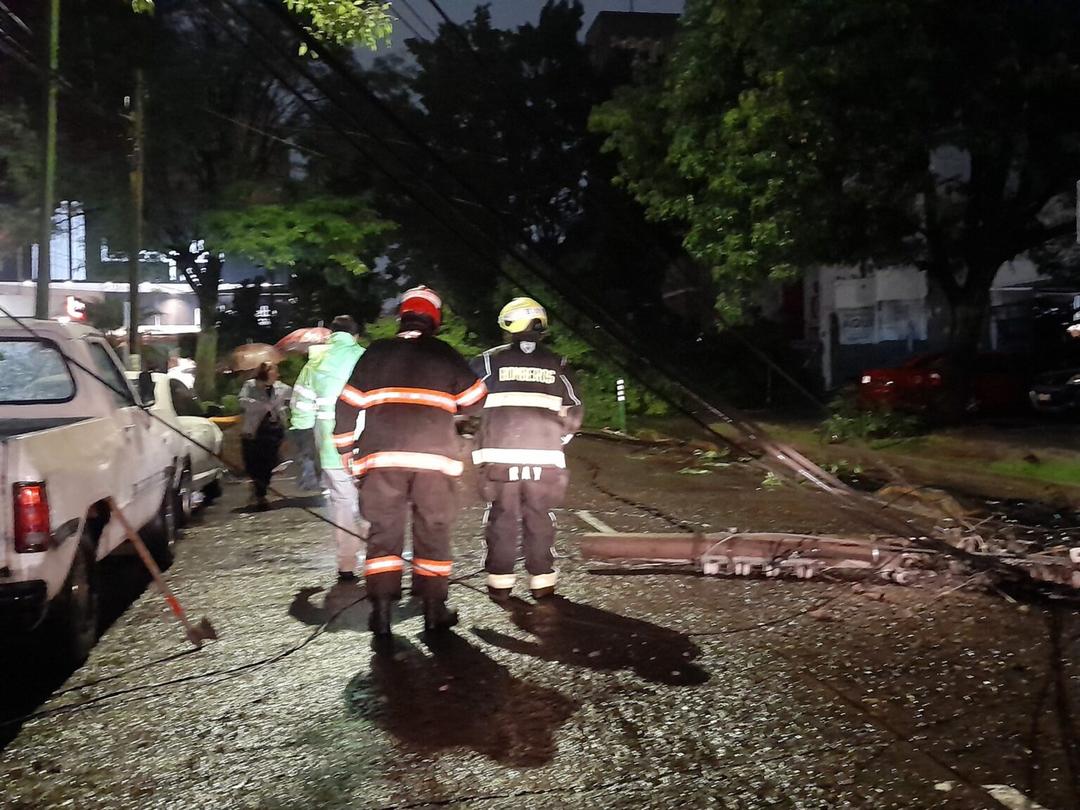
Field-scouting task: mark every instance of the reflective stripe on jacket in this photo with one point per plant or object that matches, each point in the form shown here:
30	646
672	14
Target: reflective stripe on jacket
532	407
317	390
408	389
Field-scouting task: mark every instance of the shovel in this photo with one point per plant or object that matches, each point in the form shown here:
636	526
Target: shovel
196	633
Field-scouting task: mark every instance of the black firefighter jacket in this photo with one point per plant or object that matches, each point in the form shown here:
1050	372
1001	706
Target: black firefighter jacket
409	389
531	409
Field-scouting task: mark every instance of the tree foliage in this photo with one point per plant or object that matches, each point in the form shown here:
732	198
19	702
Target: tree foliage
342	22
934	131
322	233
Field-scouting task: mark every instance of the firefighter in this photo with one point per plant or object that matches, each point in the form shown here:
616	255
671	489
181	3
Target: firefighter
409	389
315	396
530	413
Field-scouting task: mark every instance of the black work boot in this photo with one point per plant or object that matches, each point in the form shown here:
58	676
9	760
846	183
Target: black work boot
379	620
543	593
437	616
499	594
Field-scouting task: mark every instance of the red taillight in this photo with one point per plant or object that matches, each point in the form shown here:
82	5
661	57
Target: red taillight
31	518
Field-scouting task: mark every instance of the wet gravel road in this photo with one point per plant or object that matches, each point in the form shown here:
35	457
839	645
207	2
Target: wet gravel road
638	688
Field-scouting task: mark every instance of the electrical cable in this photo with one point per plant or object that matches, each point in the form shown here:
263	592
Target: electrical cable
786	457
633	234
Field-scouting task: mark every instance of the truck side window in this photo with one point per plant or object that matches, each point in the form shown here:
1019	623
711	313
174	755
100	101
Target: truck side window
105	367
183	399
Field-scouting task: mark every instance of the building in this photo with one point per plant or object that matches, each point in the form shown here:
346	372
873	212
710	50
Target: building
863	317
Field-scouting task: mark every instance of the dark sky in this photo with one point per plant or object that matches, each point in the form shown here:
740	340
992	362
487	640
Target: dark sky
509	13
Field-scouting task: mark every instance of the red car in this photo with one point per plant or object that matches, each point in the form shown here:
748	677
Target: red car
999	384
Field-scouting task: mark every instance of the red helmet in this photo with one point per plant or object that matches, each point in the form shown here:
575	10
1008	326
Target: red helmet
422	301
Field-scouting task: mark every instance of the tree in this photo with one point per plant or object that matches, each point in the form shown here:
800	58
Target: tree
342	22
325	243
933	131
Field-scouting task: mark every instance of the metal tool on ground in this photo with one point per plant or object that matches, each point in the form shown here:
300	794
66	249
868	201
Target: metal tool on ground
196	633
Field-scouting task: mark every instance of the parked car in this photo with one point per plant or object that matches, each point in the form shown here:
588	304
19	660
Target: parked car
69	443
200	467
998	384
1056	391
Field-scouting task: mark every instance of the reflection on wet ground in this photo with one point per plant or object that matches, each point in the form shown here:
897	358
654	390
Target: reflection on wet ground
577	634
455	696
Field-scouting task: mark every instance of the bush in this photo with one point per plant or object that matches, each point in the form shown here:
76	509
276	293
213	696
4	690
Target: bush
230	405
847	421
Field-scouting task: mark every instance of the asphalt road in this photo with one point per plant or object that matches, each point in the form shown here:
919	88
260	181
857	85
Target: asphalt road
638	688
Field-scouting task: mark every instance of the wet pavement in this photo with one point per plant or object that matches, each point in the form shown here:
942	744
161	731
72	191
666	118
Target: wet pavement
639	687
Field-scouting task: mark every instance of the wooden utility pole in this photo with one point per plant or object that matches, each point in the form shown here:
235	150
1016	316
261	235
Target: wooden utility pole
48	164
137	161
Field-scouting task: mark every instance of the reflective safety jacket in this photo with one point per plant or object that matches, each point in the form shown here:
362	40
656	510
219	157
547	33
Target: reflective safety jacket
317	390
531	410
409	389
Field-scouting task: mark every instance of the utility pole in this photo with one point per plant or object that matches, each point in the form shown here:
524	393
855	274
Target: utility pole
48	164
137	161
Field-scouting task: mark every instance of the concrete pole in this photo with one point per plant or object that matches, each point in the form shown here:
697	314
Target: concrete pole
48	165
137	166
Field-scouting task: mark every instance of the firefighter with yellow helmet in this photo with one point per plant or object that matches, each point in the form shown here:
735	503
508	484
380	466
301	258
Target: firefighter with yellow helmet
532	410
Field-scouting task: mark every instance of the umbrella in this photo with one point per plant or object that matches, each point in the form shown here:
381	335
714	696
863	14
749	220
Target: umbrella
300	339
250	355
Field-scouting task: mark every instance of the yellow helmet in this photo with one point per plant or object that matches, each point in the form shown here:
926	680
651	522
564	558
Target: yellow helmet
523	315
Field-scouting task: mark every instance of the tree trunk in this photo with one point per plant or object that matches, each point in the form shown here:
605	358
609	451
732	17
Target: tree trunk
206	362
968	321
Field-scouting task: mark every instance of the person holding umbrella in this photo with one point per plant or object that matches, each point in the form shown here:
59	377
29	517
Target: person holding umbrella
265	401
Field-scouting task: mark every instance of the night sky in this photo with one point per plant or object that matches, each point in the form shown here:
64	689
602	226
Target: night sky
510	13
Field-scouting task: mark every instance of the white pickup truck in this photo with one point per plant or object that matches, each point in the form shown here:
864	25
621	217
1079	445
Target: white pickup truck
68	442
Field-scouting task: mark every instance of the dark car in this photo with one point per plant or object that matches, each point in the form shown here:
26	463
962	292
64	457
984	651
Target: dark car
1056	391
999	384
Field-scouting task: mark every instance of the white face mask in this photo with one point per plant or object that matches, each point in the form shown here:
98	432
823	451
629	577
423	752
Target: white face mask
527	346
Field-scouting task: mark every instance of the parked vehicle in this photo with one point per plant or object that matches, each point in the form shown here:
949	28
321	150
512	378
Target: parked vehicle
68	443
1056	391
998	384
200	468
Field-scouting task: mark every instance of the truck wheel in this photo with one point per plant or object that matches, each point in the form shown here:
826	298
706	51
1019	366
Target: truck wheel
185	503
161	533
71	628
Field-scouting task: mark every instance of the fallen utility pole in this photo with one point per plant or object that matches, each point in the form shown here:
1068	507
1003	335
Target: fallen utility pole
803	556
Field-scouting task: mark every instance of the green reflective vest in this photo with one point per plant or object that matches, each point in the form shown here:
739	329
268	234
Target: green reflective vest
317	390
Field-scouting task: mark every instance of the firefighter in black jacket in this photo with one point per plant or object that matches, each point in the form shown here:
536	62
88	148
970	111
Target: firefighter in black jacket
531	412
407	389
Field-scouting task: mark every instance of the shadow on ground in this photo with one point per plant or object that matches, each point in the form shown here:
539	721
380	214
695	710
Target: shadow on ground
581	635
291	502
345	607
26	686
458	697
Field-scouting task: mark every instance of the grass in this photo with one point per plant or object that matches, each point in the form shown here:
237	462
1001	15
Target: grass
1050	472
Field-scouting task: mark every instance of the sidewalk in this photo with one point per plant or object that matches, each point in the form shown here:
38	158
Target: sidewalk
1005	460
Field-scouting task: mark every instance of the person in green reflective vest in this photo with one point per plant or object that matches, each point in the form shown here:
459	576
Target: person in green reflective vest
314	397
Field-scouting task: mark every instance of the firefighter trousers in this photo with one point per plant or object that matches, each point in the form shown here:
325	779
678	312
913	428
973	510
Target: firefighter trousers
523	508
388	496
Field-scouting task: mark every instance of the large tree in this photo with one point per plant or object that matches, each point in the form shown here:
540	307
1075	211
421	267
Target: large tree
788	133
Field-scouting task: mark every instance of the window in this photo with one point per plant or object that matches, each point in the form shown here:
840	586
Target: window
105	367
183	399
33	372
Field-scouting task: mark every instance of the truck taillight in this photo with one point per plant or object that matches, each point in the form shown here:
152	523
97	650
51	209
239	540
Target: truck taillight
31	518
